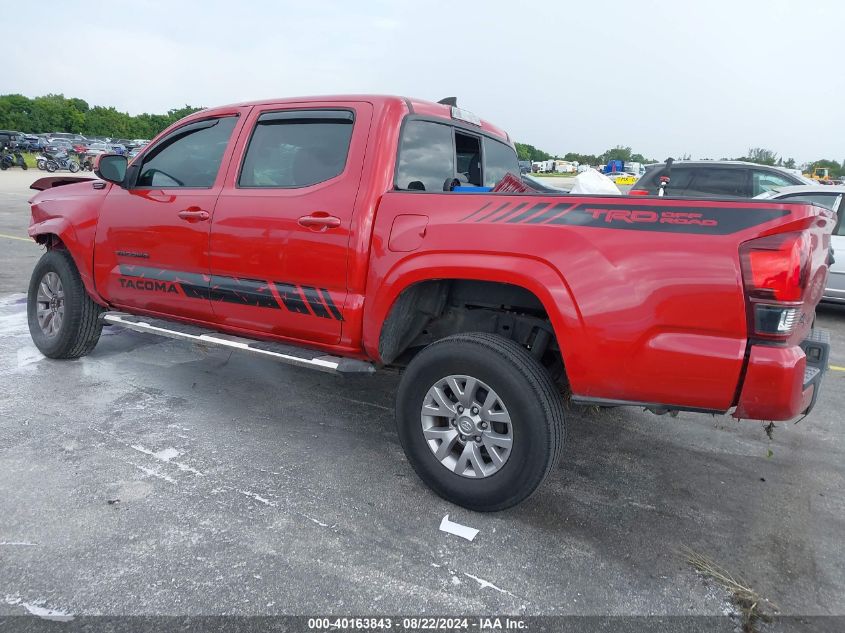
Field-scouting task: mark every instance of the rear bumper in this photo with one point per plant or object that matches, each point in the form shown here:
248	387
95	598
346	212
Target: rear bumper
782	383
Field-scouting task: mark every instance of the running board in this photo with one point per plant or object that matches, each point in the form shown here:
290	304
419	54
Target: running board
289	354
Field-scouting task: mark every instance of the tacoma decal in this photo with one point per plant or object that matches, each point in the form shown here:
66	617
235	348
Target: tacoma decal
259	293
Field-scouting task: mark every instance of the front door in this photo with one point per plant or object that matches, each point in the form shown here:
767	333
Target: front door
151	251
281	228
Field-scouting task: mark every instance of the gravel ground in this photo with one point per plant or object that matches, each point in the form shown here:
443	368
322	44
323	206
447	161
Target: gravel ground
152	477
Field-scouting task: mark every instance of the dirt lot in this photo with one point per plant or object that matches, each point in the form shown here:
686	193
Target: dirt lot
155	478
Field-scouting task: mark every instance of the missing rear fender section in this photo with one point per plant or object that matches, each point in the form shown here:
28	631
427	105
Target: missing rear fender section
431	310
50	240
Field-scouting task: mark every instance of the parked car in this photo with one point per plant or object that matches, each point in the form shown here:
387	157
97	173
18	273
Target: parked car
493	304
10	139
74	138
58	145
833	198
117	148
97	148
32	143
135	151
715	179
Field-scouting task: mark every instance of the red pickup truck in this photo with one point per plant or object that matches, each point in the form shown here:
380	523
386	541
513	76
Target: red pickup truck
348	233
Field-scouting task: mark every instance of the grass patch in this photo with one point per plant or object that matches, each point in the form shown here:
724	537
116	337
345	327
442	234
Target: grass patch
752	607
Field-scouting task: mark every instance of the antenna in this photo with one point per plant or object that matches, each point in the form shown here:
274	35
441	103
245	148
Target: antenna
449	101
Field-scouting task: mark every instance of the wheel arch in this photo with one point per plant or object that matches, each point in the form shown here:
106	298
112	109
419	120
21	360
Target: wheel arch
424	278
58	233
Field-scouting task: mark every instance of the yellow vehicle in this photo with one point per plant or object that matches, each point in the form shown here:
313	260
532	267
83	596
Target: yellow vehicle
822	174
622	178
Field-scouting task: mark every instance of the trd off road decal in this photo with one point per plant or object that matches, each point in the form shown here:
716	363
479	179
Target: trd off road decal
714	221
259	293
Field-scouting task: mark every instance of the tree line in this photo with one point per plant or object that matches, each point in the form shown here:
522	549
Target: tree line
529	152
57	113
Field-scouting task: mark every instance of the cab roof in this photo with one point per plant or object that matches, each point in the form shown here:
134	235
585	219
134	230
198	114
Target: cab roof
413	106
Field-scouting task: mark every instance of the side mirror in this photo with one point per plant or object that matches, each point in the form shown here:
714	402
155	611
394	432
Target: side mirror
111	167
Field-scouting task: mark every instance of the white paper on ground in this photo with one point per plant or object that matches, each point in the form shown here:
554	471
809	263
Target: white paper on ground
457	529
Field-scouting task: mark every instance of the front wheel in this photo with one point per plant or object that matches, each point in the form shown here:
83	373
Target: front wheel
63	320
41	164
480	420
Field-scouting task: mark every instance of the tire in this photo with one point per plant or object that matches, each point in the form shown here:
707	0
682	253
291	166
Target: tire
51	166
79	327
525	395
41	164
73	166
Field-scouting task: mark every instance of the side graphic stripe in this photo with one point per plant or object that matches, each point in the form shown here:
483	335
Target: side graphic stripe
313	300
510	212
549	213
250	292
479	210
328	299
291	298
527	214
493	212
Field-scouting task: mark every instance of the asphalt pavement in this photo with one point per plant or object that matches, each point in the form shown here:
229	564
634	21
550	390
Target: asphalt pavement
153	477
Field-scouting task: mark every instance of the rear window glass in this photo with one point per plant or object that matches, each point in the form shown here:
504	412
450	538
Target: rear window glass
825	200
499	159
720	182
679	180
426	156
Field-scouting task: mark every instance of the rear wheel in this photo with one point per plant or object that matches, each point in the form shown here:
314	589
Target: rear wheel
73	166
481	421
51	166
63	320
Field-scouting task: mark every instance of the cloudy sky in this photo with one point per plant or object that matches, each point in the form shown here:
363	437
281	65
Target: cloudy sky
706	77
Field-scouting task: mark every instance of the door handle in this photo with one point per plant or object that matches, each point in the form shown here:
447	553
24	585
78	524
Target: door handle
193	214
319	221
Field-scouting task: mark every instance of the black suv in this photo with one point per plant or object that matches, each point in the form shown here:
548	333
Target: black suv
715	179
10	139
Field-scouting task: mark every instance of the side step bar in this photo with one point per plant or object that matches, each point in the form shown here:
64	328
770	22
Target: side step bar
289	354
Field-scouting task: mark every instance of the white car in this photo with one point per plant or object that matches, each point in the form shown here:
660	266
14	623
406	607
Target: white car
831	197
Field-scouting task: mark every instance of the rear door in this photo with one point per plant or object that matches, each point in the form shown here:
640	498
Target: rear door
282	225
151	249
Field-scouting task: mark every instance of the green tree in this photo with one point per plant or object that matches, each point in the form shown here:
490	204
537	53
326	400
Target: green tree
761	156
56	113
529	152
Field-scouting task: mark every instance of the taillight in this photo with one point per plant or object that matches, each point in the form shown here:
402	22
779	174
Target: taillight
638	192
775	273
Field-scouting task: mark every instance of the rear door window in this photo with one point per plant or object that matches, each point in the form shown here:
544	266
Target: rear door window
297	148
764	180
426	156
